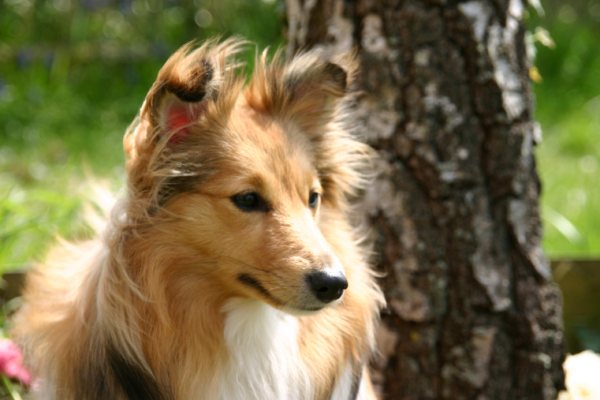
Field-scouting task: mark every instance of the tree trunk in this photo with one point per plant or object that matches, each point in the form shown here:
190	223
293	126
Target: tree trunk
472	309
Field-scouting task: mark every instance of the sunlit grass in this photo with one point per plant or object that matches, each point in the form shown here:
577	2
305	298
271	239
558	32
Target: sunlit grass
569	163
40	200
54	138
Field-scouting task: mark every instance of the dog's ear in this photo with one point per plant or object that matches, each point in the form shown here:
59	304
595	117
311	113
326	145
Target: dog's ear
314	87
305	77
175	101
193	83
184	88
307	88
179	98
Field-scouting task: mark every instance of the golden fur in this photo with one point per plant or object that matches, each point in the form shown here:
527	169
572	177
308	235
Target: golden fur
141	310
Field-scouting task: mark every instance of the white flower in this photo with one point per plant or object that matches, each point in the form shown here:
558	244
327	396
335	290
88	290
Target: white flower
582	376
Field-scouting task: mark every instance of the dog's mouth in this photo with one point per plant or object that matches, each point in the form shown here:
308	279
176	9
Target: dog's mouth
253	283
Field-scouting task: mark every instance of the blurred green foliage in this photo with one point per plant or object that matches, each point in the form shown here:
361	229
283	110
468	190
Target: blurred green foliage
568	107
73	74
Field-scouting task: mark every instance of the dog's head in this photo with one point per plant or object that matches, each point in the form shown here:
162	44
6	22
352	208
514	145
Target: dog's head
247	174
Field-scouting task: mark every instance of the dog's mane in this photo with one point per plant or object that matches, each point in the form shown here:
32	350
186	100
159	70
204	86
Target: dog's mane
102	294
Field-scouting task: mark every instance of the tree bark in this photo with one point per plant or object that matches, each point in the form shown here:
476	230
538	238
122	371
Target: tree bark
446	101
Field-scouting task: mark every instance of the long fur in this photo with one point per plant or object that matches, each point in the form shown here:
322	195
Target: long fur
183	295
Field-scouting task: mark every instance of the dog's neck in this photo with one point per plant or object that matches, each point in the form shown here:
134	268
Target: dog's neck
224	347
263	354
235	346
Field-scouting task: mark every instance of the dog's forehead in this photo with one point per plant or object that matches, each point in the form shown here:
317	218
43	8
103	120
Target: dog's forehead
271	148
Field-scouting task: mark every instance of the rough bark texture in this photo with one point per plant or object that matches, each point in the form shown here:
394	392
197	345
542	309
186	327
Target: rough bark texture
472	311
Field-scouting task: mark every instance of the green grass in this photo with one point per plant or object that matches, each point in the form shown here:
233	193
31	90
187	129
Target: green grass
42	176
568	101
569	164
58	128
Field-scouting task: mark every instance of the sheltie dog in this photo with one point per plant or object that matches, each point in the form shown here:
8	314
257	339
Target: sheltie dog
230	268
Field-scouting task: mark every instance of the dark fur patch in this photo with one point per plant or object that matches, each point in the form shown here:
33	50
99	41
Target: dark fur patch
357	372
248	280
332	78
136	383
194	89
193	172
337	75
91	382
174	186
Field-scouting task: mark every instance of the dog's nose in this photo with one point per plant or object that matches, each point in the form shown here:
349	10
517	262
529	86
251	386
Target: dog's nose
325	286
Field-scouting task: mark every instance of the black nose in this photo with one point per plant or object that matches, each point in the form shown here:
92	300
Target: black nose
326	287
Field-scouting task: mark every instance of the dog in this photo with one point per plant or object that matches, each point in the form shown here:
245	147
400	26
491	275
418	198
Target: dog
230	268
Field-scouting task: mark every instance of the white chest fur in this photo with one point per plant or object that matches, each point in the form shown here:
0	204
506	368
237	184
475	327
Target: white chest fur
264	360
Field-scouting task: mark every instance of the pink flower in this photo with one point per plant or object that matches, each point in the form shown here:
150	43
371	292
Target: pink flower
11	362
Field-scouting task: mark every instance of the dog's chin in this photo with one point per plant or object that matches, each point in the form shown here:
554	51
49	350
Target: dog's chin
302	311
306	309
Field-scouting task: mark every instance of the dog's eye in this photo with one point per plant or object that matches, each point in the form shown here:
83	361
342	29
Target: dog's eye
313	199
250	201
